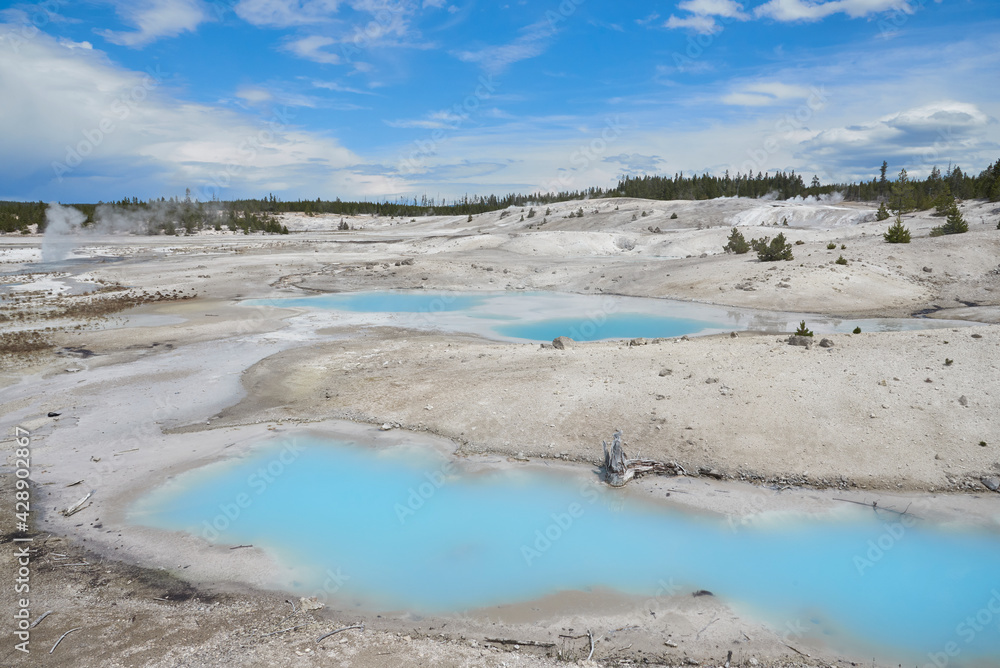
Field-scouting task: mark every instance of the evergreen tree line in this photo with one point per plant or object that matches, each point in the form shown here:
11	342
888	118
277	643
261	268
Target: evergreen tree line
257	215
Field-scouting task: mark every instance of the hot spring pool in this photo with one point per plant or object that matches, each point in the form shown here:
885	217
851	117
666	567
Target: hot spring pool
542	316
403	527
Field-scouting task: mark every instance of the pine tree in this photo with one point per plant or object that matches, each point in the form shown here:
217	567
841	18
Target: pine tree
955	224
882	213
737	243
777	249
902	192
897	234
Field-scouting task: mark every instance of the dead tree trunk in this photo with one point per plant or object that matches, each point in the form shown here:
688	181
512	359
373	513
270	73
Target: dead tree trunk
619	469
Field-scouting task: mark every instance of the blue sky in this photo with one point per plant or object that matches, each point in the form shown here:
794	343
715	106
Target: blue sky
104	99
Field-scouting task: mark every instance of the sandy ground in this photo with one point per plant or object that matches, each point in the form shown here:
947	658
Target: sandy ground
151	391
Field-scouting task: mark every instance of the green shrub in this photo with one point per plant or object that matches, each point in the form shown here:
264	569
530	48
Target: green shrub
841	260
769	250
897	234
955	224
673	216
803	330
857	330
882	213
784	221
737	243
831	246
800	243
843	246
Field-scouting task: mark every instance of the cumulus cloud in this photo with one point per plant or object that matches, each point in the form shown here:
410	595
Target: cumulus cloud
79	117
703	13
917	139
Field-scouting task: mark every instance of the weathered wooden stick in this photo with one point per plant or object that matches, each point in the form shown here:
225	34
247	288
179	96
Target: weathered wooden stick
591	636
346	628
78	506
39	620
525	643
61	638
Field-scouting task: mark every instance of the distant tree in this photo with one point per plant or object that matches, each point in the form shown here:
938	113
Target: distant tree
902	192
737	243
769	250
955	224
803	330
897	234
815	181
882	213
882	181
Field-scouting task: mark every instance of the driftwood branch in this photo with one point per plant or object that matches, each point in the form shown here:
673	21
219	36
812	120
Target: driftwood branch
619	469
522	643
591	635
61	638
39	620
78	506
360	626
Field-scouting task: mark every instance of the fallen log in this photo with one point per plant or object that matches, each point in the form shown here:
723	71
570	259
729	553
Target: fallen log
619	469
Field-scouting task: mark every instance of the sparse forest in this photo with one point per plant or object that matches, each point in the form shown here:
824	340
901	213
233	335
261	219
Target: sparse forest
172	215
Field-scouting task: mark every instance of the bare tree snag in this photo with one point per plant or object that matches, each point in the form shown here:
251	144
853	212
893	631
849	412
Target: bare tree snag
619	469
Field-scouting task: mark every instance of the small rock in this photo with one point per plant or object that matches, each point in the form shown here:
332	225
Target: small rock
710	381
992	483
733	335
54	414
666	372
752	661
702	592
547	346
311	603
805	341
637	342
964	400
977	336
826	343
928	270
660	397
872	415
562	342
385	427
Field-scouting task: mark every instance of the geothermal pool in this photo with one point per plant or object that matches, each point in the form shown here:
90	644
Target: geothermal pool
542	316
405	528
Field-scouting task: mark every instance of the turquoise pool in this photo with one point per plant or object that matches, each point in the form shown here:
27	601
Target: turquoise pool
542	316
415	532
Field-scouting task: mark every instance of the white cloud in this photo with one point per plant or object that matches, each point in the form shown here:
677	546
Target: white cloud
530	44
254	95
703	12
765	94
70	44
918	138
704	25
284	13
311	48
154	19
77	109
727	8
811	10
